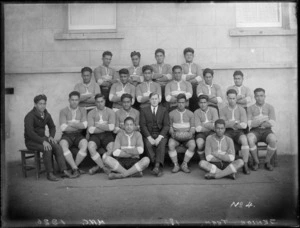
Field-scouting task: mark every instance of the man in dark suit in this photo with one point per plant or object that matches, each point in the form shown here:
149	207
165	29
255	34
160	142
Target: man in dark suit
154	125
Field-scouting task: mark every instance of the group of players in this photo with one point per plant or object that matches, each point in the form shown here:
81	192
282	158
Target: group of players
119	115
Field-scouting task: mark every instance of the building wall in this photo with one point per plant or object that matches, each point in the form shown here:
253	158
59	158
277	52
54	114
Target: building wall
36	63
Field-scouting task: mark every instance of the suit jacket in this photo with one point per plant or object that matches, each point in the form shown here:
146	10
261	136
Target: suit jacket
146	121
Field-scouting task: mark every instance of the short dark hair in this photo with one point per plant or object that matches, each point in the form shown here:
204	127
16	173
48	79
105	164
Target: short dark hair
123	71
86	69
147	67
181	96
99	95
188	49
74	93
135	53
203	96
176	67
208	70
107	53
37	98
259	90
128	118
231	91
219	121
238	72
159	50
153	94
126	95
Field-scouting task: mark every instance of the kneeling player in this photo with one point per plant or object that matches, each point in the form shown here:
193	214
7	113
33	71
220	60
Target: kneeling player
220	154
72	121
101	123
182	130
125	159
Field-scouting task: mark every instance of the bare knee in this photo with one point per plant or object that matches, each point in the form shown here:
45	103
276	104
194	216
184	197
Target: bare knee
243	140
172	144
271	140
83	144
64	145
251	139
200	143
191	145
202	163
146	161
92	148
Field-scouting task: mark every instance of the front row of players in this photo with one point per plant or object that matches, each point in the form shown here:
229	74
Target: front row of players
151	130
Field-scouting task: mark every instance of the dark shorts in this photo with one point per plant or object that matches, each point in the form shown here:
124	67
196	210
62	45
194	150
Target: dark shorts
184	143
203	135
234	134
73	139
102	139
261	133
127	163
221	165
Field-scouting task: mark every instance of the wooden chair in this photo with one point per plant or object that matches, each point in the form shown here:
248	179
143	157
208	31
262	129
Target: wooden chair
28	154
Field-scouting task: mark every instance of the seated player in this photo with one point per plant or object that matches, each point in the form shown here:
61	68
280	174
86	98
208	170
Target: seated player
147	87
220	154
135	71
212	90
126	111
119	88
205	118
162	72
125	159
35	139
72	120
182	130
154	128
192	73
101	123
177	86
87	89
235	122
105	76
244	95
261	119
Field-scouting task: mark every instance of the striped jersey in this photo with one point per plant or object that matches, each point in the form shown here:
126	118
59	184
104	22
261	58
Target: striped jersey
121	115
205	121
117	89
223	146
238	113
255	112
103	73
77	115
145	88
136	73
182	121
174	88
164	69
192	69
87	89
105	116
245	92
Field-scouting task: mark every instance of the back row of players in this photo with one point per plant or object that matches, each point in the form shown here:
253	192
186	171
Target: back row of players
151	126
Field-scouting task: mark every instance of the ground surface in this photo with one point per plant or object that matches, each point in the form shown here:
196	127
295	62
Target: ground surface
261	198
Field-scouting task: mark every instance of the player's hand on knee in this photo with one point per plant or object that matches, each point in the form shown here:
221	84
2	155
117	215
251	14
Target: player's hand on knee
47	146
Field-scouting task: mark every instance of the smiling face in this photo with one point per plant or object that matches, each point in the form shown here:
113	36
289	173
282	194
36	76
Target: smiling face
126	103
260	97
177	73
74	101
159	57
106	60
100	103
129	126
124	78
135	60
86	77
208	77
220	130
238	80
41	105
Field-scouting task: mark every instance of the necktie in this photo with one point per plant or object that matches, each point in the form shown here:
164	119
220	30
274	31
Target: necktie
154	111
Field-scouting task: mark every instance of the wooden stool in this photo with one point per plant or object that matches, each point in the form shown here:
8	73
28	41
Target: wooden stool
37	162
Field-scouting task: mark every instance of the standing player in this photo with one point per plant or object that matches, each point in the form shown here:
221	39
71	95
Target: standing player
220	154
135	71
177	86
72	120
182	130
147	87
235	122
205	118
105	76
192	73
119	88
101	123
261	119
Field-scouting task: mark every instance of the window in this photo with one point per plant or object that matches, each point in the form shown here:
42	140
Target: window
92	17
258	14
